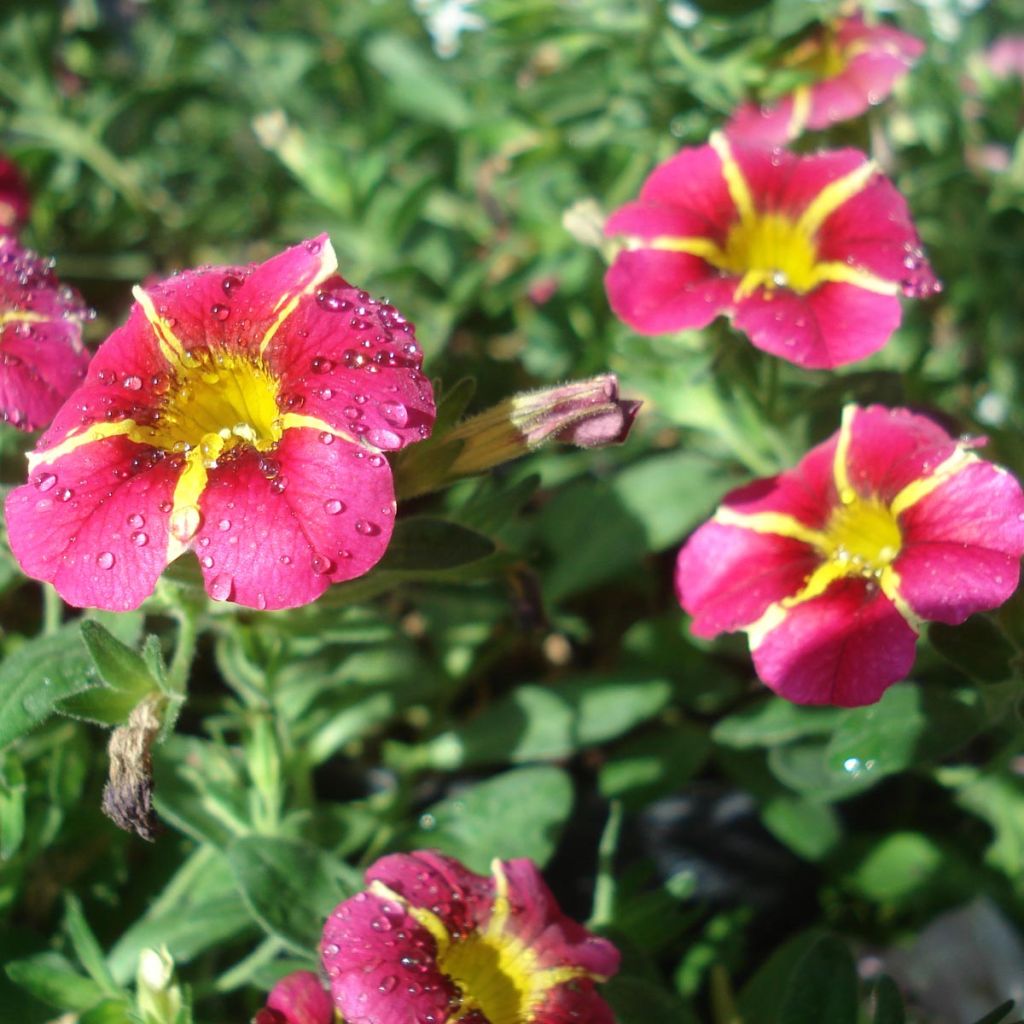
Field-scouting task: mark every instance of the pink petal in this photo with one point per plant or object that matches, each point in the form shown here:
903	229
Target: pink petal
962	545
94	524
276	530
301	999
844	647
353	362
382	964
655	291
727	577
833	325
656	219
891	448
573	1003
755	124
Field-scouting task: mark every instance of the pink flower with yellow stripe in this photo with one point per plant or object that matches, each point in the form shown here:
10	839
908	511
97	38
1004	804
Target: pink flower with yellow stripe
241	413
850	66
42	359
807	254
831	567
435	943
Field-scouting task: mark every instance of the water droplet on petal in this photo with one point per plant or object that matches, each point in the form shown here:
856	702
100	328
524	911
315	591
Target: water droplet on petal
321	564
333	506
220	311
321	365
221	586
136	521
184	523
230	284
140	540
386	439
278	484
105	560
366	528
224	524
45	481
326	437
395	413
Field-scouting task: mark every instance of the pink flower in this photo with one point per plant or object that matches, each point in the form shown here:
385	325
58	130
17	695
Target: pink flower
852	66
1005	57
807	254
241	413
298	998
15	200
434	943
42	359
831	567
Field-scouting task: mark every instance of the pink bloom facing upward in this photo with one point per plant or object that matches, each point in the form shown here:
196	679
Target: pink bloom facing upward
434	943
42	359
807	254
831	567
852	66
1005	57
15	201
241	413
298	998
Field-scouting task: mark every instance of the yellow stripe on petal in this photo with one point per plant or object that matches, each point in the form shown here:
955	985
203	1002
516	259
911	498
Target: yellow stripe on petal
777	523
90	435
922	487
833	195
185	518
292	420
705	248
170	344
889	582
801	111
426	918
288	302
842	273
840	466
739	190
22	316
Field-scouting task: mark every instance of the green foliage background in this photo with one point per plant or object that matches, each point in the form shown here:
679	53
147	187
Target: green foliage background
522	682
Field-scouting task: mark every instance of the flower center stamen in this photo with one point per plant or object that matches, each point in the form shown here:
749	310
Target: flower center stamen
771	250
862	537
218	401
494	975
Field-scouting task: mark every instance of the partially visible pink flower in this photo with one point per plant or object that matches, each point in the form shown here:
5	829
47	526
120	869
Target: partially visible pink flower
241	413
298	998
434	943
1005	57
852	66
42	359
15	200
806	254
831	567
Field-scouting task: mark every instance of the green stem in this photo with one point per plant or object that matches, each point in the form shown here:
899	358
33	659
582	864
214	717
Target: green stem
53	611
184	650
723	1005
603	912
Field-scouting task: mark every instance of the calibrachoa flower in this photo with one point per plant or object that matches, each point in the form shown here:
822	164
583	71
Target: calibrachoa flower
434	943
831	567
240	413
852	65
298	998
807	254
42	359
15	201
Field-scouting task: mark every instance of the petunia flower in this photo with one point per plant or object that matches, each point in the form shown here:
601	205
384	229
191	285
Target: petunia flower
298	998
1005	57
15	201
851	66
42	359
432	942
831	567
241	413
807	254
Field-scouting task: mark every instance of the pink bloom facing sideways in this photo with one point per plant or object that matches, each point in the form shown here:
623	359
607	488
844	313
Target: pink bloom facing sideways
807	254
853	66
434	943
241	413
831	567
298	998
42	359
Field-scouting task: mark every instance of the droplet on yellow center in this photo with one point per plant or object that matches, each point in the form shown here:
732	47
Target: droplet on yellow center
862	535
774	250
494	976
216	401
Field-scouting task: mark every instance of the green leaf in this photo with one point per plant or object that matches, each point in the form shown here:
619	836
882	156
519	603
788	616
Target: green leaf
647	766
49	977
888	1003
89	952
517	814
638	1000
897	867
12	806
540	723
422	545
40	673
998	1014
823	987
289	886
977	647
809	829
999	800
761	998
110	1011
774	721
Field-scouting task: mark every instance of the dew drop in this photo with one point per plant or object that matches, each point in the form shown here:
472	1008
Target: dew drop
224	524
45	481
326	437
206	561
64	494
333	506
386	439
136	521
132	383
139	539
221	586
230	284
387	983
321	365
220	311
105	560
184	523
395	413
366	528
278	484
321	564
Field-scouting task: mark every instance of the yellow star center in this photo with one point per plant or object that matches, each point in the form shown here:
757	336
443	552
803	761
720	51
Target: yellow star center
770	249
862	537
496	975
